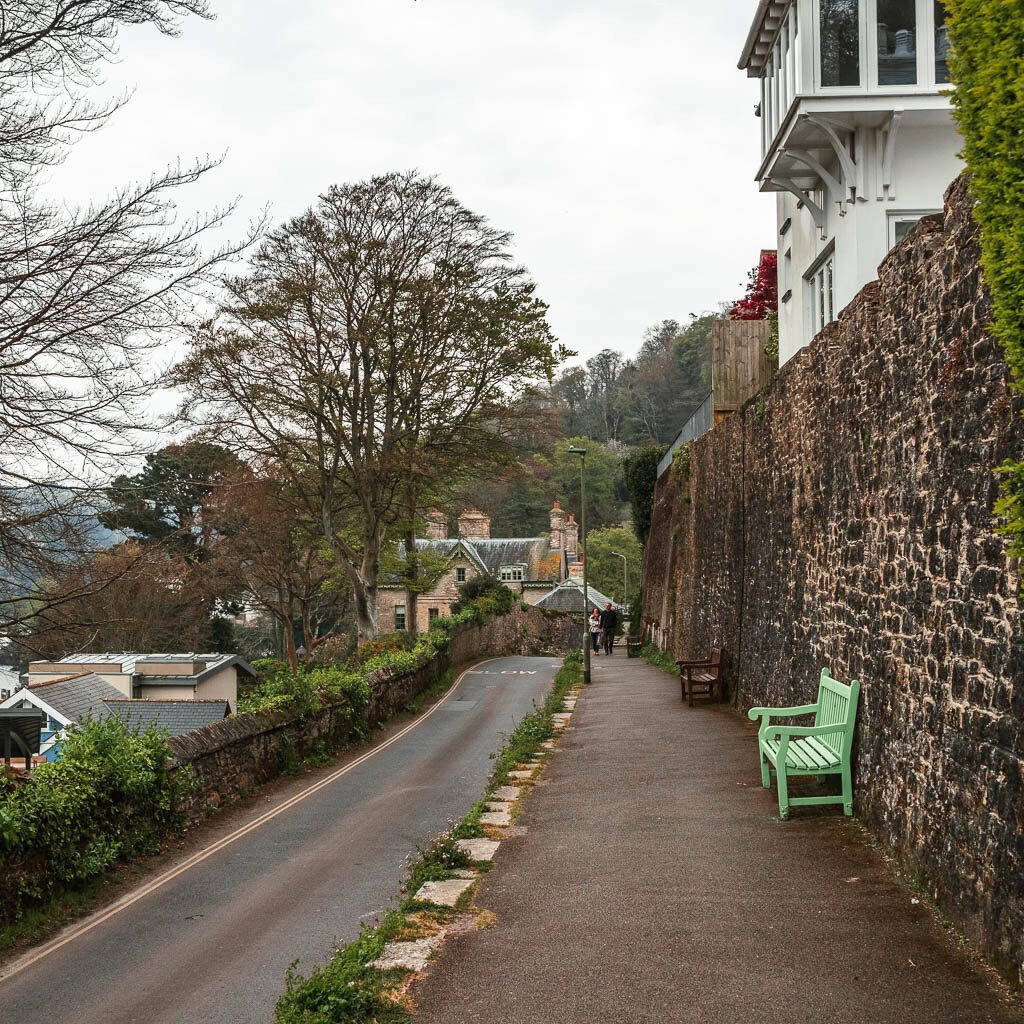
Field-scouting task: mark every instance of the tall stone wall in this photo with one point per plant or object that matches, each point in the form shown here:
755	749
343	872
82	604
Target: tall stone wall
845	519
226	759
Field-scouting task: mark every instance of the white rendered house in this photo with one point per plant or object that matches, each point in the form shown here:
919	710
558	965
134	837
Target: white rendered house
857	141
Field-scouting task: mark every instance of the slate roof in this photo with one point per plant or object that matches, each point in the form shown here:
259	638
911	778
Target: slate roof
541	564
76	697
568	597
178	716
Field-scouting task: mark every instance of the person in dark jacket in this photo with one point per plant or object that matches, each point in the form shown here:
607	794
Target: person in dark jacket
609	620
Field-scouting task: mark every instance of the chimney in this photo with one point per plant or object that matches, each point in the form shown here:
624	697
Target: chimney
572	535
576	570
437	525
474	525
557	528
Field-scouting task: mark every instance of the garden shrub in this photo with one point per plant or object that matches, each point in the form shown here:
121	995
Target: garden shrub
485	595
109	797
987	66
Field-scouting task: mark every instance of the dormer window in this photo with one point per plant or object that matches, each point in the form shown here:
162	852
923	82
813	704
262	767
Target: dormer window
511	573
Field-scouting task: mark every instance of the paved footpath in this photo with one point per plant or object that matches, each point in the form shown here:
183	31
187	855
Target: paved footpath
656	883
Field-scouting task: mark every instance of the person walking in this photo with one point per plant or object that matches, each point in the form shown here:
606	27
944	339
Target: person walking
609	620
594	625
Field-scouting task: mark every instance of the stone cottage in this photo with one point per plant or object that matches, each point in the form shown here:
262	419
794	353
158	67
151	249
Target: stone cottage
530	566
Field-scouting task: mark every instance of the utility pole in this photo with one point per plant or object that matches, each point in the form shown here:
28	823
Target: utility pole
582	453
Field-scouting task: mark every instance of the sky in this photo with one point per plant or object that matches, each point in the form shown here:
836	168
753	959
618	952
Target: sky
615	140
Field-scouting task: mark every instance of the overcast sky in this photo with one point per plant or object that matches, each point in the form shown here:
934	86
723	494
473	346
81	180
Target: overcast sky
615	139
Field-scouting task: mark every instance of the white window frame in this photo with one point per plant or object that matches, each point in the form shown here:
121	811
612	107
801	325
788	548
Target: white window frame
821	303
893	217
400	610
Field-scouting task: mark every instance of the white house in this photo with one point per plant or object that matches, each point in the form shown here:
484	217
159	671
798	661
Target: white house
857	141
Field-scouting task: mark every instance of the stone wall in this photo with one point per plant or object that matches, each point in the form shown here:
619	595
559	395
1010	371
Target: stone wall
229	758
845	519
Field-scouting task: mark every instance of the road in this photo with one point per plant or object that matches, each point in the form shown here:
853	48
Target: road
212	943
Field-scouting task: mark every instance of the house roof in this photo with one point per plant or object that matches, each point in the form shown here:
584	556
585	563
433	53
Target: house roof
73	697
177	716
490	554
127	663
568	597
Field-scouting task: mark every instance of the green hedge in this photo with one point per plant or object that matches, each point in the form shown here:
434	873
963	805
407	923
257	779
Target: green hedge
988	67
110	796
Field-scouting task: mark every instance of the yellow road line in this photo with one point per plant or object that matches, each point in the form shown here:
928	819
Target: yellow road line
209	851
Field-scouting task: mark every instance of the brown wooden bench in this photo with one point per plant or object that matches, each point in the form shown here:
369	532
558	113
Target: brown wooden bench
703	675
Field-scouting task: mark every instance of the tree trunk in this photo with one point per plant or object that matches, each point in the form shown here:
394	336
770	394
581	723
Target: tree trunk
289	645
412	573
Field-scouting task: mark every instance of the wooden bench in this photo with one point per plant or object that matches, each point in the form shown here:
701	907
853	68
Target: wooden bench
705	674
819	749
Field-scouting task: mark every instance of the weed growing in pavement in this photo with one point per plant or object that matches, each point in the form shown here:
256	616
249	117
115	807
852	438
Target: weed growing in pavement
349	990
658	658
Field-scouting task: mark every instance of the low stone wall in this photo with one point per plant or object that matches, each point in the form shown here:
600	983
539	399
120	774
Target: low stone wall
845	519
226	759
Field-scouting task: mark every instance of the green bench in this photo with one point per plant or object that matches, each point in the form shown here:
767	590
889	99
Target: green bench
819	749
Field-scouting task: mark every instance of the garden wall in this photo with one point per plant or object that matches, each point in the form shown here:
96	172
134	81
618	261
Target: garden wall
845	519
229	758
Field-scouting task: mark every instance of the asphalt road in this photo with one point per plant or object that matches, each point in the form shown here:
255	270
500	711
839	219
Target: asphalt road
212	944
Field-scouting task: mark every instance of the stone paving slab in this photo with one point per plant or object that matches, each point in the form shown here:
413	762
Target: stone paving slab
499	806
479	849
495	818
412	956
548	744
521	775
444	893
507	793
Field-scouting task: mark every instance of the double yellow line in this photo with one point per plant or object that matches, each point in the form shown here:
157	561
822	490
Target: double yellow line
197	858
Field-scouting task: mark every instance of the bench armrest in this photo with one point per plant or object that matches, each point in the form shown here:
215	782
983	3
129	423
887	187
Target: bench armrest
765	713
706	663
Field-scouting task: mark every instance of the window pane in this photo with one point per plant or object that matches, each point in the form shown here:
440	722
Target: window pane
897	42
840	42
941	44
902	228
828	279
399	616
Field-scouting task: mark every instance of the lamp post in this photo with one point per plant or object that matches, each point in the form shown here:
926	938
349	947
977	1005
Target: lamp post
582	453
625	583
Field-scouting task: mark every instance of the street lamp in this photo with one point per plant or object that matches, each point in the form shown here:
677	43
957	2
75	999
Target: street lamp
582	453
625	584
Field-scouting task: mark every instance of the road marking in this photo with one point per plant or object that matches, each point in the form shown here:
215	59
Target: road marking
190	862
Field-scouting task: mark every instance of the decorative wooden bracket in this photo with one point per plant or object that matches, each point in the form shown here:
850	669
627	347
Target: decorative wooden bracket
815	210
847	167
887	187
830	182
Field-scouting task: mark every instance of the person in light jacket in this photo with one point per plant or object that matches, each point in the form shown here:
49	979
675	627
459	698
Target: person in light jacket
594	626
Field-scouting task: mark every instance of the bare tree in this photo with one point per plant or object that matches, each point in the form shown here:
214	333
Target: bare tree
382	336
85	294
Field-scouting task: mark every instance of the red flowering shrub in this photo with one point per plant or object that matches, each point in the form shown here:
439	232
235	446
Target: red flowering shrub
762	290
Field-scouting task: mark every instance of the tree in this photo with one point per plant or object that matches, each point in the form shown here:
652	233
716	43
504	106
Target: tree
762	290
604	568
131	598
164	501
273	559
85	294
601	473
382	337
641	474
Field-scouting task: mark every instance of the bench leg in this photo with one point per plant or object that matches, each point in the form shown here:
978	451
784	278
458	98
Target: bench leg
766	774
847	790
783	783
